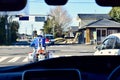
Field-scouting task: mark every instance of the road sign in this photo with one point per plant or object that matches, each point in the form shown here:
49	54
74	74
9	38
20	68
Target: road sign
24	18
39	19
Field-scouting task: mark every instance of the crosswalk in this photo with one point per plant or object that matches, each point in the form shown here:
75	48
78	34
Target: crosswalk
13	59
16	59
20	59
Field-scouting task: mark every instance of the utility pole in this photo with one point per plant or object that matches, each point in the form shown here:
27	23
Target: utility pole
9	19
53	22
53	29
6	27
32	31
25	33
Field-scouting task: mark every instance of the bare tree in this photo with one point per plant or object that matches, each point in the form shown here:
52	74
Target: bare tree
61	19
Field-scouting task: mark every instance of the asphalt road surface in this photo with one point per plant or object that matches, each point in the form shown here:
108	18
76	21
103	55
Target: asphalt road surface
18	54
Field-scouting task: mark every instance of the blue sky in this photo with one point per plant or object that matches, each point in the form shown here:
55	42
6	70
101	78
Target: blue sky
74	7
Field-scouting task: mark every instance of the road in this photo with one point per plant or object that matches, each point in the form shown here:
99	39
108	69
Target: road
17	54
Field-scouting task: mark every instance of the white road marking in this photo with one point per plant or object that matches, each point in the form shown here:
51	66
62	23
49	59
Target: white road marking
25	60
55	56
68	50
14	59
14	46
68	55
3	58
59	46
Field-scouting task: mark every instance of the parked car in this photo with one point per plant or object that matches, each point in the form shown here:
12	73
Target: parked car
110	46
49	39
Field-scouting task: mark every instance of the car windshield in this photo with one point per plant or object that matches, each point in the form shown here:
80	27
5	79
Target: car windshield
77	28
108	43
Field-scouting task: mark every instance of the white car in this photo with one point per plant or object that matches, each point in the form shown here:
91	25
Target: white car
110	46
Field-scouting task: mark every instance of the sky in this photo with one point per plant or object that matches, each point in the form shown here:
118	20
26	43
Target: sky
74	7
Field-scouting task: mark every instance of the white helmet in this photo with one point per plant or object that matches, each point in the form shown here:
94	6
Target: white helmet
40	32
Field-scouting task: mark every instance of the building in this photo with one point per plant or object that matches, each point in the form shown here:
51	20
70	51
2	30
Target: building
71	31
95	27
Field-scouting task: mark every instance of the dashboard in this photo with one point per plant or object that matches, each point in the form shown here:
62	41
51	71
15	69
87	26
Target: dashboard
84	68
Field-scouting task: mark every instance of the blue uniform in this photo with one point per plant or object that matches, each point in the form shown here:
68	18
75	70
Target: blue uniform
36	42
36	45
43	42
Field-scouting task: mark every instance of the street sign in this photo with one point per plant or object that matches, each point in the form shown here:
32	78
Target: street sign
24	18
39	19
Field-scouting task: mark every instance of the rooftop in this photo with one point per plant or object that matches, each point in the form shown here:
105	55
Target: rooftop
104	23
93	16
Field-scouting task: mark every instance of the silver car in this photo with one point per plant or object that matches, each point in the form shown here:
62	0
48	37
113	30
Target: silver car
110	46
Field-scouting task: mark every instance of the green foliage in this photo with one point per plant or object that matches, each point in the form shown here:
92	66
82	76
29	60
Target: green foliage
14	29
2	30
48	26
57	20
58	31
115	13
61	20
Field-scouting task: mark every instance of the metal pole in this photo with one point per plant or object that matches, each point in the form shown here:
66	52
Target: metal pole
6	27
53	25
9	28
9	34
32	31
53	29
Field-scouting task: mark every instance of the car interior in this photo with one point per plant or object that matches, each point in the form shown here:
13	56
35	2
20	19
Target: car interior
63	68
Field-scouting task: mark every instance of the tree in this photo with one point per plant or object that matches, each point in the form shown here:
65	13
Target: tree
2	30
48	26
60	20
14	30
115	13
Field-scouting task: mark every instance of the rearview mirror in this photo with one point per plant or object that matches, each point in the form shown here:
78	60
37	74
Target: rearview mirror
56	2
12	5
108	2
